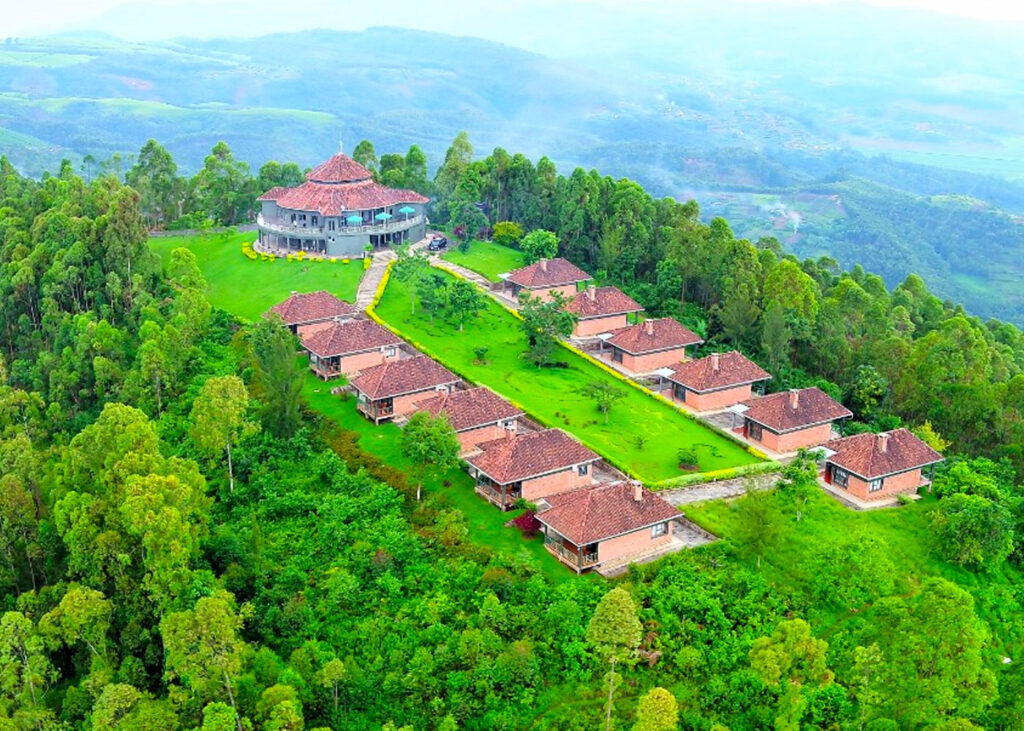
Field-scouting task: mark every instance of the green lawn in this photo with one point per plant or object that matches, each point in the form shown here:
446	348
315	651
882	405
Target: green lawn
249	288
550	394
906	530
486	523
487	258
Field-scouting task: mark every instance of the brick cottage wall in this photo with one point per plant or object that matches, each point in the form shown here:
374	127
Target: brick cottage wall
631	543
717	399
555	483
361	361
794	440
472	437
407	404
304	331
568	291
598	325
904	482
653	361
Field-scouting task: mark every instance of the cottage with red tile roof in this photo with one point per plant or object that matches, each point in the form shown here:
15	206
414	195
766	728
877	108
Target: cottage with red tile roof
545	277
717	381
477	414
651	344
338	211
530	466
393	388
788	420
592	526
600	310
346	348
877	466
306	312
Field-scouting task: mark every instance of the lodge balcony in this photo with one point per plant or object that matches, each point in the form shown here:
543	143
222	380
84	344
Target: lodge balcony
578	559
377	411
319	232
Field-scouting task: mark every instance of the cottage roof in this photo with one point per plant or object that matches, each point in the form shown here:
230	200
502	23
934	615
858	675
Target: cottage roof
340	185
400	377
602	302
877	455
796	409
354	336
548	273
305	307
651	336
718	371
522	456
338	168
470	409
592	514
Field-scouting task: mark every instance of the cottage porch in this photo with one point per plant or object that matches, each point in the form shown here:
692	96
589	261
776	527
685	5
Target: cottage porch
377	411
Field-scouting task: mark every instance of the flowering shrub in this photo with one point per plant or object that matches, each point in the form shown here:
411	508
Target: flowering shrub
528	524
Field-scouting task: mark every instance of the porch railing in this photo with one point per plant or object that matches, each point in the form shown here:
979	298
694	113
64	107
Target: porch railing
583	560
494	495
319	232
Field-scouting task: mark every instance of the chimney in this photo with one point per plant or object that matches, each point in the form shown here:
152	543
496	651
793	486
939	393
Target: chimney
543	265
883	442
638	491
794	398
649	327
714	362
591	293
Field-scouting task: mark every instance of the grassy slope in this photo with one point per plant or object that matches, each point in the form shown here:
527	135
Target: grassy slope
249	288
551	393
487	258
486	523
906	531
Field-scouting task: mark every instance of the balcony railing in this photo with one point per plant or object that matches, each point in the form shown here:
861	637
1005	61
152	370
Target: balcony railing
319	232
558	549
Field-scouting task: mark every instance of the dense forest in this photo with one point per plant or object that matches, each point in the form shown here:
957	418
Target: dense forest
186	546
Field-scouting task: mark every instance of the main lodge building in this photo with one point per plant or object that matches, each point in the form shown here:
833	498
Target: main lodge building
338	211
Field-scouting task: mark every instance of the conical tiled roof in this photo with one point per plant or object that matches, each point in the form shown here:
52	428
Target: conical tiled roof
338	169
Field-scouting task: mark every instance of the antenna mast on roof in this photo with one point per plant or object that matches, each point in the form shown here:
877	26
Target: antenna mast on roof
341	147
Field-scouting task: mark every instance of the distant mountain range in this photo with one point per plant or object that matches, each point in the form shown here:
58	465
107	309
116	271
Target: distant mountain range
761	119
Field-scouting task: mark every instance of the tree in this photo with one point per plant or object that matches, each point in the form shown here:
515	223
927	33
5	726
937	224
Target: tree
277	376
416	169
867	391
657	711
414	272
738	316
332	673
603	394
431	444
507	233
204	650
468	219
25	671
800	480
852	571
539	244
219	418
225	187
457	158
464	300
83	615
155	176
544	322
972	531
775	338
757	525
614	633
788	660
365	155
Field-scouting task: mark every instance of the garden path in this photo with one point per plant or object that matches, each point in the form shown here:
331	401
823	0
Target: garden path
372	277
717	490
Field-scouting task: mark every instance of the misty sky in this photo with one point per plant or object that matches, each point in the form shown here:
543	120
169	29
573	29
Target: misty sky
22	18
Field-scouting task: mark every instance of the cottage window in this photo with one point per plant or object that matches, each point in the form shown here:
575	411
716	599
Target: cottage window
617	355
510	425
659	530
330	225
582	470
390	352
680	392
875	485
754	430
840	477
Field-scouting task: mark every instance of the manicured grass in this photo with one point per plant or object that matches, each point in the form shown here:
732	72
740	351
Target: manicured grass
249	288
551	394
905	530
486	523
487	258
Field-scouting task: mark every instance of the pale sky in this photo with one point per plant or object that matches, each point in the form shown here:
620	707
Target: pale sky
28	18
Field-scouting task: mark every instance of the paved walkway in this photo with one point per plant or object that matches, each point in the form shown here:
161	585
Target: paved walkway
723	490
372	276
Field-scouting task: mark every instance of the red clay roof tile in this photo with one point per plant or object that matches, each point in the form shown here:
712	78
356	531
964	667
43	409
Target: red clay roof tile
653	335
862	453
305	307
399	377
602	302
733	369
354	336
522	456
548	273
338	168
790	410
470	409
593	514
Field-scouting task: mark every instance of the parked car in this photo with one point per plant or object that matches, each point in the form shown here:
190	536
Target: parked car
438	243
